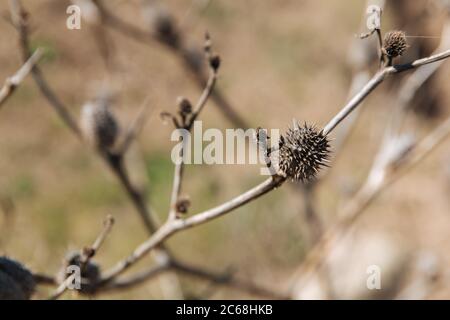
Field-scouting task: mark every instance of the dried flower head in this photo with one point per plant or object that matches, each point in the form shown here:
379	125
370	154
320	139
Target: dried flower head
302	152
14	272
394	44
99	124
90	273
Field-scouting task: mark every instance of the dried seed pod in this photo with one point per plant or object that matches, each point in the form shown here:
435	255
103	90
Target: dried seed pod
99	124
394	43
303	151
22	277
90	274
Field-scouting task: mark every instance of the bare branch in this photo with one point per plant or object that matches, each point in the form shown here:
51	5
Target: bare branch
214	62
14	81
86	255
43	279
62	288
114	162
135	127
375	81
136	279
173	226
229	280
90	252
19	20
222	279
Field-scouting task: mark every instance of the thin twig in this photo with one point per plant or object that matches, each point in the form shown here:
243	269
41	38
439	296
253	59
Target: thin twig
375	81
229	280
90	252
18	16
14	81
173	226
221	279
135	127
179	166
136	279
62	288
43	279
411	85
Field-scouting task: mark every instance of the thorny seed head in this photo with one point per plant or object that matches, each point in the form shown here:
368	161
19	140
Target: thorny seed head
394	44
90	274
21	280
303	151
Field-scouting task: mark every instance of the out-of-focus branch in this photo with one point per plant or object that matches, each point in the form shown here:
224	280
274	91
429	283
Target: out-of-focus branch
90	252
412	84
136	279
101	37
175	46
114	162
135	128
388	168
11	83
19	19
43	279
229	280
86	255
226	279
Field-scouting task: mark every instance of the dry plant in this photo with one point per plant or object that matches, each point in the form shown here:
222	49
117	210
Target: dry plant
303	151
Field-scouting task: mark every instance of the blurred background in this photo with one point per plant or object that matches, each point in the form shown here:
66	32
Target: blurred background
280	60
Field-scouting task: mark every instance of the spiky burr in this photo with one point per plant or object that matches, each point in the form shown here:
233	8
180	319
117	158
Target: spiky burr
394	43
303	151
16	281
99	124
